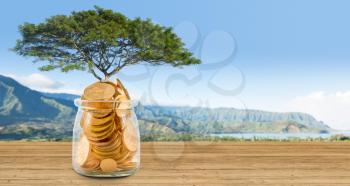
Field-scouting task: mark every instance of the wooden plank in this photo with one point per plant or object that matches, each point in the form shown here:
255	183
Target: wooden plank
188	163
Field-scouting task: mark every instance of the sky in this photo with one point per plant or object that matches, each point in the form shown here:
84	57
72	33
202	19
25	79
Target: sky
283	56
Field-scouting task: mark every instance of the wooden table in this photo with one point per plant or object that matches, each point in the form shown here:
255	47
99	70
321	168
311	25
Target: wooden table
178	163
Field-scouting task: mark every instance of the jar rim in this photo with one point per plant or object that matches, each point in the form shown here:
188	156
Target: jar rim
109	104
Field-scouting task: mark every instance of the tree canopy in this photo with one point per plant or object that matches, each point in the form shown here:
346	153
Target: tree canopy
102	40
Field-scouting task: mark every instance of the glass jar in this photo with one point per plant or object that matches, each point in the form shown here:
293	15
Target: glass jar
106	139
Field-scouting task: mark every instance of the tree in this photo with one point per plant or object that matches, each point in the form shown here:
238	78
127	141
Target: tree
100	39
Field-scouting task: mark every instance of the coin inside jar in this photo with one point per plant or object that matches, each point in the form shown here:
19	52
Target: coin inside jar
92	163
121	89
108	165
89	119
130	136
99	91
83	150
101	113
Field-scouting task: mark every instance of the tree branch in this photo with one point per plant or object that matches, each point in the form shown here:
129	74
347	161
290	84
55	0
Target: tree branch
117	69
91	70
83	54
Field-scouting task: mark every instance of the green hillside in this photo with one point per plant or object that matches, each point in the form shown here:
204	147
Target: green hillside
20	104
229	120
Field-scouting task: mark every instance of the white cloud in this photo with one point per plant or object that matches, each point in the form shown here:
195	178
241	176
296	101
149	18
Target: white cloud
42	83
332	108
38	81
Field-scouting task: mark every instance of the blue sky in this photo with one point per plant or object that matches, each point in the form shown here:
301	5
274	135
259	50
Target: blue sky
290	55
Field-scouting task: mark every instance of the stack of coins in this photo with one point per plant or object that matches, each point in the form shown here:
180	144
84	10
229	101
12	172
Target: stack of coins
109	140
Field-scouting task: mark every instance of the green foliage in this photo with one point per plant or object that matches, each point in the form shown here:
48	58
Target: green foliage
340	137
100	39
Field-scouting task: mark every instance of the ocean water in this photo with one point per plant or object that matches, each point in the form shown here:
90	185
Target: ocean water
281	136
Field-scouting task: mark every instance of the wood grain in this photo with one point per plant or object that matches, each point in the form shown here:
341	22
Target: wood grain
190	163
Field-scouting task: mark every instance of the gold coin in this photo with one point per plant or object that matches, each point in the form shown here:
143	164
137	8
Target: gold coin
108	147
118	123
82	120
93	136
122	98
102	154
95	129
100	136
127	165
83	150
111	145
109	152
122	155
107	141
108	165
92	106
90	120
92	163
99	114
115	88
123	103
99	91
130	136
122	89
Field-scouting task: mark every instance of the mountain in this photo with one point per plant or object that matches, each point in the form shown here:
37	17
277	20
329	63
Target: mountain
229	120
21	104
26	113
65	96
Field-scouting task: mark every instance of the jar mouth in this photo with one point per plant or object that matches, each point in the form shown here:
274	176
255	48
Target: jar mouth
104	104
